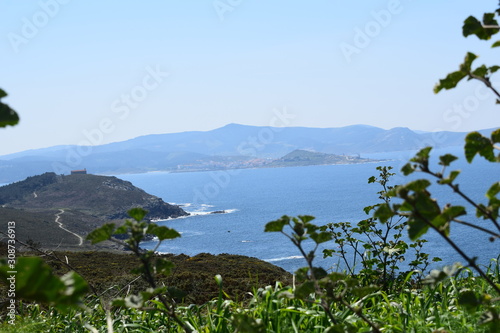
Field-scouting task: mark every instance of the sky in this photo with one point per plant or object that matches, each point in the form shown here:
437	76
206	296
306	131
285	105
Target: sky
94	72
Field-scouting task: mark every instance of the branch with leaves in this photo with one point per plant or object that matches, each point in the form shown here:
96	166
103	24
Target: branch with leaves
135	231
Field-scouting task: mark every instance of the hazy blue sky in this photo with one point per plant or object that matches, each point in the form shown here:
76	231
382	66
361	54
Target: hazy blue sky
104	71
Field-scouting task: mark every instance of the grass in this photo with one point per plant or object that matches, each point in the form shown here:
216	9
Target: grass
274	309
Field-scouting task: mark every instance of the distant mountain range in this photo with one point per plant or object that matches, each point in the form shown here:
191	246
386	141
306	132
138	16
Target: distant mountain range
231	146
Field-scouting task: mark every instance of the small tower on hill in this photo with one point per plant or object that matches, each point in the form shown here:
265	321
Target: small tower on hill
79	172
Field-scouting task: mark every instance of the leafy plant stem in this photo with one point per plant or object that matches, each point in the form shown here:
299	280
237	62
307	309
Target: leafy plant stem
309	260
487	82
457	190
471	261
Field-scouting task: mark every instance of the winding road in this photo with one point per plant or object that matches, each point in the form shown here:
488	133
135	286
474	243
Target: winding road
58	216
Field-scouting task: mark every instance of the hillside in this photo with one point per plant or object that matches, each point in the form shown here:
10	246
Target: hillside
55	210
100	196
231	146
304	157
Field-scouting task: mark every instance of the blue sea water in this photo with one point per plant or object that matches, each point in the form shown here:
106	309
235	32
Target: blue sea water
331	193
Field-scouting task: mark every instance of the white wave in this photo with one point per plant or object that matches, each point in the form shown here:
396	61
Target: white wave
222	211
191	233
198	213
246	241
163	252
283	258
171	218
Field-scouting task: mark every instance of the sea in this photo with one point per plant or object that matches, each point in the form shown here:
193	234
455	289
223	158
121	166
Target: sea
251	198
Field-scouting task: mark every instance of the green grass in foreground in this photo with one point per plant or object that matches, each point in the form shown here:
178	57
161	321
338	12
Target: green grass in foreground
274	309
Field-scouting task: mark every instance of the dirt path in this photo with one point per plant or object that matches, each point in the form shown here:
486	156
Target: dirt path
58	216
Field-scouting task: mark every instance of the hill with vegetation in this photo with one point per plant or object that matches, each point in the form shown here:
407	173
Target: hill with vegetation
108	272
55	210
301	157
100	196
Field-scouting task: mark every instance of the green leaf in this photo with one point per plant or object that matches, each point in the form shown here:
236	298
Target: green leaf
306	218
442	221
163	266
408	169
446	159
481	71
469	300
319	273
418	185
493	191
8	117
118	302
452	212
450	178
475	143
383	213
123	229
162	232
469	59
417	227
137	214
277	225
496	44
425	205
76	288
301	274
495	136
493	69
450	81
36	282
101	234
321	237
493	203
423	210
304	290
473	26
336	276
422	157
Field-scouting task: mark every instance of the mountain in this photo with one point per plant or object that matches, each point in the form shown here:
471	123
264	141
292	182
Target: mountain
234	145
